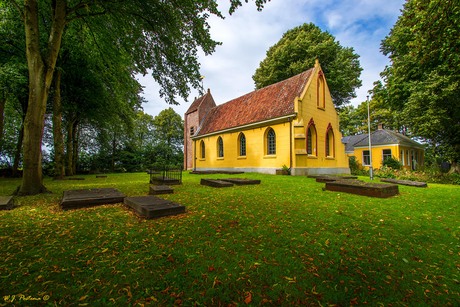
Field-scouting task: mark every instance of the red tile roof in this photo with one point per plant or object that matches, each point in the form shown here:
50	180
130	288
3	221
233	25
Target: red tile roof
199	101
273	101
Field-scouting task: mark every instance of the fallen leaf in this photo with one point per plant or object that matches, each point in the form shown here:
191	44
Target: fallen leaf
248	298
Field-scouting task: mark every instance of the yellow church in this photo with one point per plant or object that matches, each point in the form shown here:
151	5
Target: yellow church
290	124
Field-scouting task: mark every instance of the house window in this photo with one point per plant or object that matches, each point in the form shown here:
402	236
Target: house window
408	158
192	131
311	139
401	157
321	91
271	142
386	154
366	158
202	150
329	142
220	147
242	144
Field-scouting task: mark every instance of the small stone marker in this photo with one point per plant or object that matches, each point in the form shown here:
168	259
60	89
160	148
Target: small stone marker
160	189
6	202
75	199
216	183
153	207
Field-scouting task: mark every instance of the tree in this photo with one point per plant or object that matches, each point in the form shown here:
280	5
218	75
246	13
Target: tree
163	36
423	81
169	135
297	50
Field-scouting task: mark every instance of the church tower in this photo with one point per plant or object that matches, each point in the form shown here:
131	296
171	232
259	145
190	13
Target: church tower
192	121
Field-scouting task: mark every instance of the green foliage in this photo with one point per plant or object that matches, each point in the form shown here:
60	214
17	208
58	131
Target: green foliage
283	242
423	81
355	167
392	163
296	52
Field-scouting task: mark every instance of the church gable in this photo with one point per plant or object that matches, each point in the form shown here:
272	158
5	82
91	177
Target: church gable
271	102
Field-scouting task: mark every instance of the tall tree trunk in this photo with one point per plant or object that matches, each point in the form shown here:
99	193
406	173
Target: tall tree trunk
114	149
17	154
59	171
2	120
41	69
70	134
75	146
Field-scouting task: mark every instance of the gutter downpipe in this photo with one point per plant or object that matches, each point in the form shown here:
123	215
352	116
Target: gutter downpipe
194	155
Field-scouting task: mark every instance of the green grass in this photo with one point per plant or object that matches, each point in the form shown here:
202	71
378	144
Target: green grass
283	242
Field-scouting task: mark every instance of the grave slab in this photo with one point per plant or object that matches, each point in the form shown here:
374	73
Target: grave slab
418	184
160	189
6	202
242	181
216	183
381	190
75	199
153	207
330	178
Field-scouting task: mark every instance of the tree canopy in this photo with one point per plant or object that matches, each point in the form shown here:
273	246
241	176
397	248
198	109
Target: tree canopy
296	52
159	36
423	81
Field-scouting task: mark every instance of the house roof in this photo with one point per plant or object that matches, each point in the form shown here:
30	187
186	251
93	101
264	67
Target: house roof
386	137
273	101
351	140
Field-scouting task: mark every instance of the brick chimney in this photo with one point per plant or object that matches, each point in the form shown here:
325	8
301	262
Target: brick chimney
380	127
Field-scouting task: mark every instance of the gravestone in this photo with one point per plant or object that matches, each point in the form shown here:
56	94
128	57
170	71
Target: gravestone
242	181
160	189
352	186
216	183
153	207
6	202
418	184
74	199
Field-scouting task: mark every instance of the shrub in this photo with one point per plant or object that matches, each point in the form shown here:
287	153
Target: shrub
356	168
392	162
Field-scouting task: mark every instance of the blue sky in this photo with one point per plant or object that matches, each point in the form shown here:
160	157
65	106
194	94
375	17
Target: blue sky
248	34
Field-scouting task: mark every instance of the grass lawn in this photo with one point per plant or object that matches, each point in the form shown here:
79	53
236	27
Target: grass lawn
283	242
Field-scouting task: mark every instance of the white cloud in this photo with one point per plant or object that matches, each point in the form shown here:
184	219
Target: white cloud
247	35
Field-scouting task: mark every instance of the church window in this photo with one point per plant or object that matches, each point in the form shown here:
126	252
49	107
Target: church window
242	144
220	147
271	142
321	91
202	150
311	139
329	142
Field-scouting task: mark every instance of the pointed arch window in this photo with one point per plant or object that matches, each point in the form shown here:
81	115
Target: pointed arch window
242	145
202	150
330	150
271	142
220	148
311	138
321	91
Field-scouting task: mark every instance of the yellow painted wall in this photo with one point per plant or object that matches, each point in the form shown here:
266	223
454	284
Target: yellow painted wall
256	156
323	114
290	138
377	155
